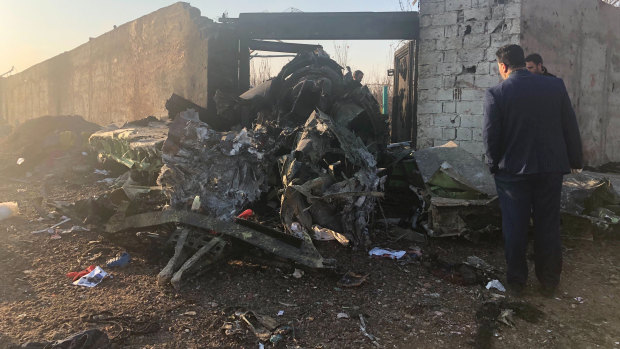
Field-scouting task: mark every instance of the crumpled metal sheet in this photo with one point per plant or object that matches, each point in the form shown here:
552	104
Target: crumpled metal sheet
590	207
465	170
300	250
450	217
330	172
133	146
227	170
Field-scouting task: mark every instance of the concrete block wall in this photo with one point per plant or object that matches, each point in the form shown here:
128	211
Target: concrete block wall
128	73
456	64
579	41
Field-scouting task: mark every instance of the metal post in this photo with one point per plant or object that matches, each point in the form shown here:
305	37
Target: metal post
385	100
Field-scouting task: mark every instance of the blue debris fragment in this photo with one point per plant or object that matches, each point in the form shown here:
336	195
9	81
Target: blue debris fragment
119	261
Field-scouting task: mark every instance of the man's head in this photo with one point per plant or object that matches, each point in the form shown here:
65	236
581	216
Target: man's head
358	75
509	58
534	63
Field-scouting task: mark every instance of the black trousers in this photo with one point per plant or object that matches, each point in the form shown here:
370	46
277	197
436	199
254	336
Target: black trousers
536	196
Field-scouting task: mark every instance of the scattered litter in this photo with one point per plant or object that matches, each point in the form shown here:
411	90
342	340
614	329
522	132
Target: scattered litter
387	253
189	313
342	316
51	229
579	300
261	346
102	172
372	338
297	229
78	274
91	279
55	236
87	339
20	161
8	209
108	181
505	317
119	261
298	273
351	279
281	312
324	234
262	326
497	285
74	229
246	214
196	203
275	338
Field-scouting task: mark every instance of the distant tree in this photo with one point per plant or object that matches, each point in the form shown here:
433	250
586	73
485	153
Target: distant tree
260	70
341	53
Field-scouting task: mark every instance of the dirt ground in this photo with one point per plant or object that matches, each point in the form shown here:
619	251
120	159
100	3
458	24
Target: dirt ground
403	305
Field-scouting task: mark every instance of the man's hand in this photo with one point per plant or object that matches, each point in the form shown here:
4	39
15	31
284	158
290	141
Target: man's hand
575	170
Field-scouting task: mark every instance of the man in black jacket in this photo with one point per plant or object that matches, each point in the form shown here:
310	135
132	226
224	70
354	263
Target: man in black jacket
534	63
532	139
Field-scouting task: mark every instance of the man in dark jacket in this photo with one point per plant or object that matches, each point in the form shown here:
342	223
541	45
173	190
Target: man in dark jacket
532	139
534	63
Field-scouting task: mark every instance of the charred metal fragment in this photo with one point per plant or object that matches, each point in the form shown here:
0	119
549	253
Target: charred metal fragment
305	254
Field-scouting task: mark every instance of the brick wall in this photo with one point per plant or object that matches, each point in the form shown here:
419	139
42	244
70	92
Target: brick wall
458	40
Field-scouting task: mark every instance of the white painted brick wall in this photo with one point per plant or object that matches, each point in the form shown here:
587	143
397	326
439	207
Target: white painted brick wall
457	35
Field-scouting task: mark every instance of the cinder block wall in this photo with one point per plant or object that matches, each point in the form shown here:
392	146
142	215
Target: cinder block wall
457	64
580	43
127	73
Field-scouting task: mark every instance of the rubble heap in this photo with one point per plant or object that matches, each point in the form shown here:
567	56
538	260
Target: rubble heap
304	143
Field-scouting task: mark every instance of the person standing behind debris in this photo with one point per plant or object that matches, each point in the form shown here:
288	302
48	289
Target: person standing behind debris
534	63
532	139
358	75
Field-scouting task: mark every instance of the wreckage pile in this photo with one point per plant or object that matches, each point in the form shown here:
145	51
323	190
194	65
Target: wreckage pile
300	143
299	151
301	157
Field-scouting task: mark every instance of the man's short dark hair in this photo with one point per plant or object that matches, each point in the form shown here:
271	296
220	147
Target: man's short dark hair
535	58
511	55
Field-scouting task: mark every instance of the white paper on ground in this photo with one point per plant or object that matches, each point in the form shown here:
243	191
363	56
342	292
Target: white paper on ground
386	252
496	284
91	279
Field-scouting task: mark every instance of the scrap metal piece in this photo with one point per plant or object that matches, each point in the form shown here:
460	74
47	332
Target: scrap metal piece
451	217
586	206
302	251
165	275
133	146
227	170
349	191
212	251
466	172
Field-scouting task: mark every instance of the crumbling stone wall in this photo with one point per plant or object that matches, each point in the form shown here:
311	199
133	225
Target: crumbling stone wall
127	73
457	64
579	41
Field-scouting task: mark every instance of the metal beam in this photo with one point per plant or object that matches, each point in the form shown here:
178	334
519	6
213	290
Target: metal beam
330	26
281	46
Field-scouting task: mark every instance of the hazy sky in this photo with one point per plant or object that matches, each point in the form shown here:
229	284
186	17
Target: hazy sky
34	30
